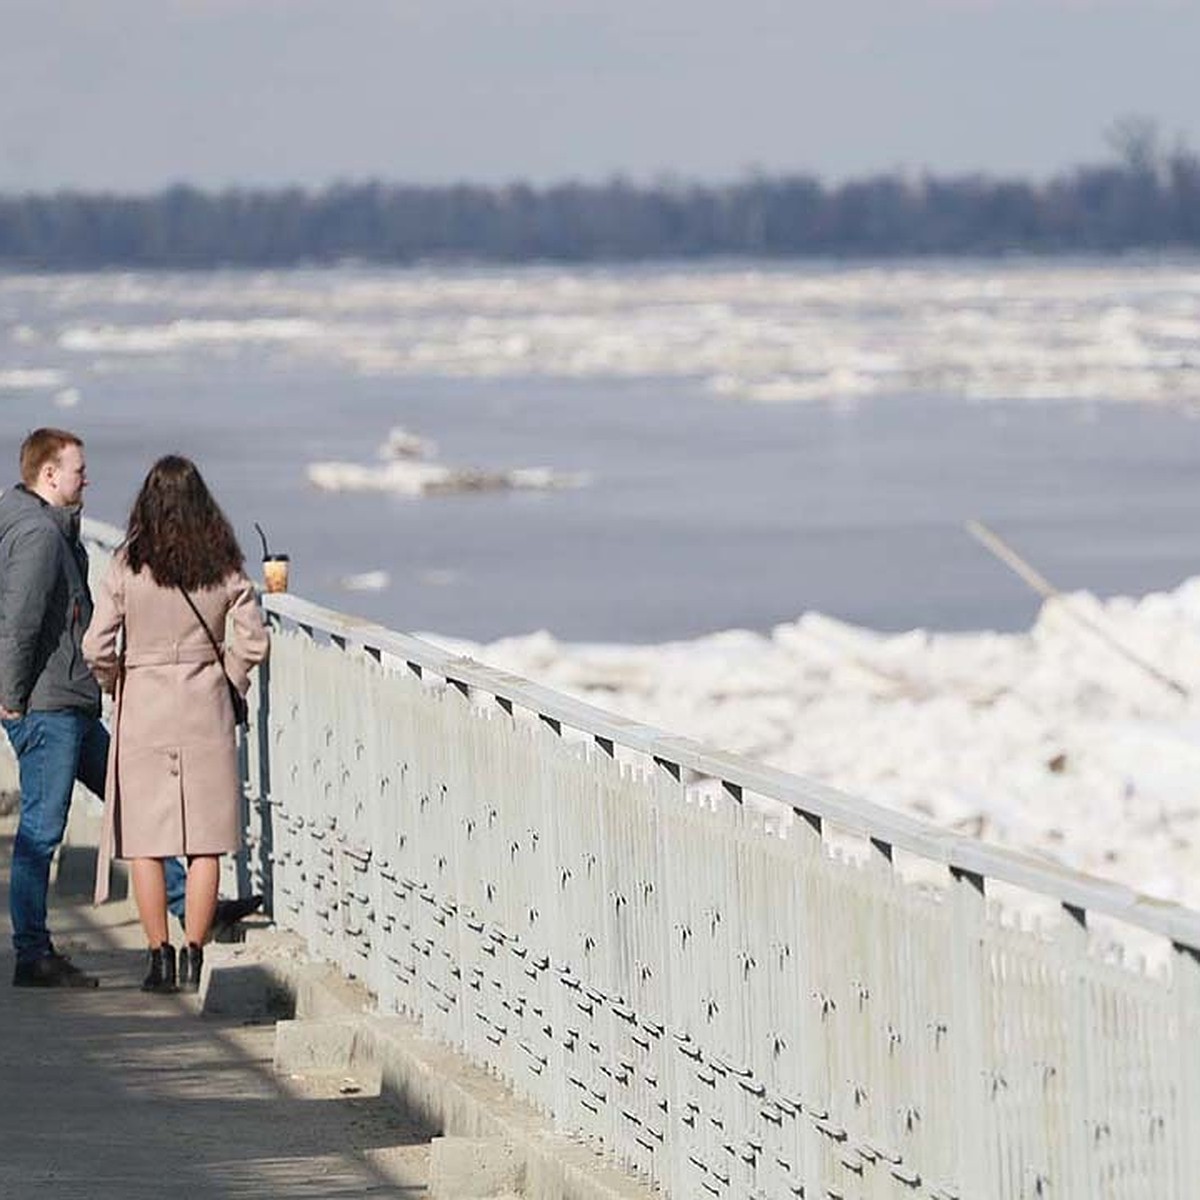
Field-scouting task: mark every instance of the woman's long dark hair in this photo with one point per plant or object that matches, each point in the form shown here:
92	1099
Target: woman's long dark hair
178	530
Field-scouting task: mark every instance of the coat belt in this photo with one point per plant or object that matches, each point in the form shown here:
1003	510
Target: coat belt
158	656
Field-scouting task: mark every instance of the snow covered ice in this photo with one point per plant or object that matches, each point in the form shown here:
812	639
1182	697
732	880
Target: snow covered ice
1117	330
1048	741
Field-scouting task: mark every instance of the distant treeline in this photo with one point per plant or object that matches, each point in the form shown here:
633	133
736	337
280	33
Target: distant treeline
1144	201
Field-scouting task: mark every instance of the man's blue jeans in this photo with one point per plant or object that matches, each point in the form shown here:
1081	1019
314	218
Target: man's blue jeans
53	750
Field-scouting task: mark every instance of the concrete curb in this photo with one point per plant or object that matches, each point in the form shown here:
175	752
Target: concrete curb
510	1146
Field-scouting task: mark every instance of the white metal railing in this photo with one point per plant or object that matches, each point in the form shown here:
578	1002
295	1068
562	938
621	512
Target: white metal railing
732	1004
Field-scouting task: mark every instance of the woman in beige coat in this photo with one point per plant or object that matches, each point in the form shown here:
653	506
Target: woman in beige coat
173	782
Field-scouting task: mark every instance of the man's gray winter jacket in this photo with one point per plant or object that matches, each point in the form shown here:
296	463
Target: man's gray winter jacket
45	606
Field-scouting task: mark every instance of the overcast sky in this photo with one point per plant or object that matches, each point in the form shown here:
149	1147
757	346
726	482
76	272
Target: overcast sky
135	94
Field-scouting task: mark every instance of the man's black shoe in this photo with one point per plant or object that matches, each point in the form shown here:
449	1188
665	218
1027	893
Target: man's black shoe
52	970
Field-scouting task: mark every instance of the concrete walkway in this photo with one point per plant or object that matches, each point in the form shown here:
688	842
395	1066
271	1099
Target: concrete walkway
113	1093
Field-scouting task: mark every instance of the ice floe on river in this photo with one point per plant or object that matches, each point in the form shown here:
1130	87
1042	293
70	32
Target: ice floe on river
1047	740
1116	330
404	473
402	478
31	379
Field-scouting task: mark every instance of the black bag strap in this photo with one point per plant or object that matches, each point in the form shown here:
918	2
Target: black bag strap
204	625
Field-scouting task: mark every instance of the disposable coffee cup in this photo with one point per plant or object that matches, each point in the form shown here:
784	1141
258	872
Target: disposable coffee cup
275	572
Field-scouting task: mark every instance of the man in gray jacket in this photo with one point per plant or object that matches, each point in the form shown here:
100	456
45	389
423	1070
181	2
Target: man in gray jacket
49	702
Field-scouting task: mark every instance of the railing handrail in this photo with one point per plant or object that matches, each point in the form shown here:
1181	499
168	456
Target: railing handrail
102	533
962	856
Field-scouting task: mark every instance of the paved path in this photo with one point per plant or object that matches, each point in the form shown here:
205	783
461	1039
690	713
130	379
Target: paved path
112	1093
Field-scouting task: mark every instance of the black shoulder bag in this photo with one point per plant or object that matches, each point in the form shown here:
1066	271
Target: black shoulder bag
241	709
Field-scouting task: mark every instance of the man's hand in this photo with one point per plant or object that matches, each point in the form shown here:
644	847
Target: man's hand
10	714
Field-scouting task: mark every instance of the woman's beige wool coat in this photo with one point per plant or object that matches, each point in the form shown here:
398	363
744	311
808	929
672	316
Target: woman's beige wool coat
173	784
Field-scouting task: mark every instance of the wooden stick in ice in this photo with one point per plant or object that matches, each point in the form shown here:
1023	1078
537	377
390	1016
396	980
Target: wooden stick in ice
1007	555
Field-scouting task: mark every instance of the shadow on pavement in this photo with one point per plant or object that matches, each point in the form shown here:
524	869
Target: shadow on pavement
113	1092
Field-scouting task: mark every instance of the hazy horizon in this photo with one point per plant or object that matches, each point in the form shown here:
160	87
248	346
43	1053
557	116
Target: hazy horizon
651	181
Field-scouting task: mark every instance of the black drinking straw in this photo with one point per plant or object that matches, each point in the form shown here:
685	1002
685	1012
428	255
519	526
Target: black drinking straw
262	537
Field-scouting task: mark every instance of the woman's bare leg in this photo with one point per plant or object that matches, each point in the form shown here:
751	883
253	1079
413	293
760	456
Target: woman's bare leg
203	878
150	892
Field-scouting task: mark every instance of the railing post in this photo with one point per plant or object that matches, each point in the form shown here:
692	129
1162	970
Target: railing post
1186	978
808	1027
976	1171
1073	939
263	800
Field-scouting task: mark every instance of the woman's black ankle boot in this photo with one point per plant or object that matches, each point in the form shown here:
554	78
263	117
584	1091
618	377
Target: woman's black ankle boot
191	963
161	976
